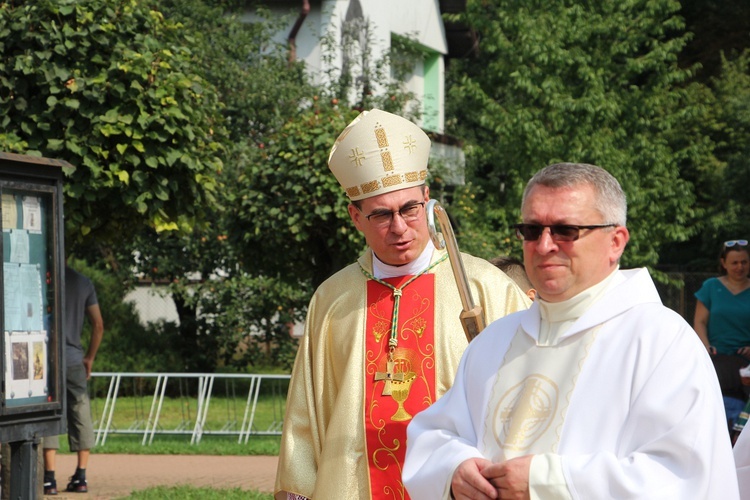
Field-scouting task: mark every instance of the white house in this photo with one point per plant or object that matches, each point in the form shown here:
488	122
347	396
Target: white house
310	21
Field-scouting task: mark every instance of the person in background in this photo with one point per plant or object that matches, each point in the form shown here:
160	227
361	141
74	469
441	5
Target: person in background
515	270
722	322
80	302
382	337
596	391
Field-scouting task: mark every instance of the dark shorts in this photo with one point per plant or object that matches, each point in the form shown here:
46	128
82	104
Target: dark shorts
80	426
728	371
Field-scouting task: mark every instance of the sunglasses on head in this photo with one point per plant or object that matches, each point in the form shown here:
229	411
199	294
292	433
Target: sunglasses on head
731	243
558	232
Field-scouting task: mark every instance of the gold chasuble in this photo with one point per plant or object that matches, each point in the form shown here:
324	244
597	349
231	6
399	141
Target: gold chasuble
400	375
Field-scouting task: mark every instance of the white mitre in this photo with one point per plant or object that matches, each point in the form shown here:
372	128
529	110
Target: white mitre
377	153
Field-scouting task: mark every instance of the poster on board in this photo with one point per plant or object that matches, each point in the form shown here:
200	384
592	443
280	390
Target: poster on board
26	365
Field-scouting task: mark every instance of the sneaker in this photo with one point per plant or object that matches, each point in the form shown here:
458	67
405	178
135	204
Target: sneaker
50	487
77	485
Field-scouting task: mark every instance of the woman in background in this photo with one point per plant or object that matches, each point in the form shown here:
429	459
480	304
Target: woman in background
722	321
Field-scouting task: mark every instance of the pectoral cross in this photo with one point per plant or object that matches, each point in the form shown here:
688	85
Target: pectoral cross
388	376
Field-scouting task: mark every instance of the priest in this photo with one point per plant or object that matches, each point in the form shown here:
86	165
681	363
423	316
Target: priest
382	338
596	391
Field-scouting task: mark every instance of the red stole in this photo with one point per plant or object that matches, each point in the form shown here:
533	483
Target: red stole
386	416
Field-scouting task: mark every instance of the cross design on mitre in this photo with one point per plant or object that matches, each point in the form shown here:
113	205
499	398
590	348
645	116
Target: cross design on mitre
357	157
410	143
388	376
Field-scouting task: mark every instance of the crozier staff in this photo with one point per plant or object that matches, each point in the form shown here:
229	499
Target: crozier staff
596	391
382	337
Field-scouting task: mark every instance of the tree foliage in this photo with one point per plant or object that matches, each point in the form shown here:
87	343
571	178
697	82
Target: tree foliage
258	86
257	89
110	86
594	82
290	211
721	30
732	91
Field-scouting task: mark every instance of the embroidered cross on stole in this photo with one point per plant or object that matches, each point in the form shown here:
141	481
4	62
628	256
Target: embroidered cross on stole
387	376
400	378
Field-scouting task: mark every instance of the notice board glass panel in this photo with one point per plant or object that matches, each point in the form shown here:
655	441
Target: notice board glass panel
29	285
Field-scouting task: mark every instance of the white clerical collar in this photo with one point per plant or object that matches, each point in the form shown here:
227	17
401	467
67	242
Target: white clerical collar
557	317
382	270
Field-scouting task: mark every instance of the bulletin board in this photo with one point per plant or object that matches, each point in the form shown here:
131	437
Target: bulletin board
28	277
31	283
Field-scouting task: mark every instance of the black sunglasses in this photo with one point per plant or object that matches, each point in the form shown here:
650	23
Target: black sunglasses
558	232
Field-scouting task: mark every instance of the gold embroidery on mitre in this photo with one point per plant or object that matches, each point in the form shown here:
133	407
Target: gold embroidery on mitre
352	192
391	180
357	157
369	187
422	175
410	143
385	156
525	412
381	137
387	161
411	176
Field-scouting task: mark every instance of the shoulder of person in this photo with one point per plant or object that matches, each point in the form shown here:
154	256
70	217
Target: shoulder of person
343	276
73	276
655	322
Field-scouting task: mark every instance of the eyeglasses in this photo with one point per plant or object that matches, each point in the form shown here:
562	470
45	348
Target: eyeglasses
558	232
383	218
731	243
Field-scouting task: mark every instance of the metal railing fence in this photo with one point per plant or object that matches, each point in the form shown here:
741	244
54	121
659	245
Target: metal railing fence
194	393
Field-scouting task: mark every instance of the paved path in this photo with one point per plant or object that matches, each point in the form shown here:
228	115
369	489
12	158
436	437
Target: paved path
116	476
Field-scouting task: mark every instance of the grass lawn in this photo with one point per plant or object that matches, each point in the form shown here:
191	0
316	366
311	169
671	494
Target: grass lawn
176	422
180	445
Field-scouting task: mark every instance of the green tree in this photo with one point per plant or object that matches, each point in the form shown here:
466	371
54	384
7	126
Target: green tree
258	86
291	212
594	82
203	267
732	91
721	29
110	87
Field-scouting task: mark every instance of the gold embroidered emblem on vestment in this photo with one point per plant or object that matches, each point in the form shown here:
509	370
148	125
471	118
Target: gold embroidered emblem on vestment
525	412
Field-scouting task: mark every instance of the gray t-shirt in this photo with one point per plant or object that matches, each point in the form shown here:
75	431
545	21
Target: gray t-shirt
79	295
